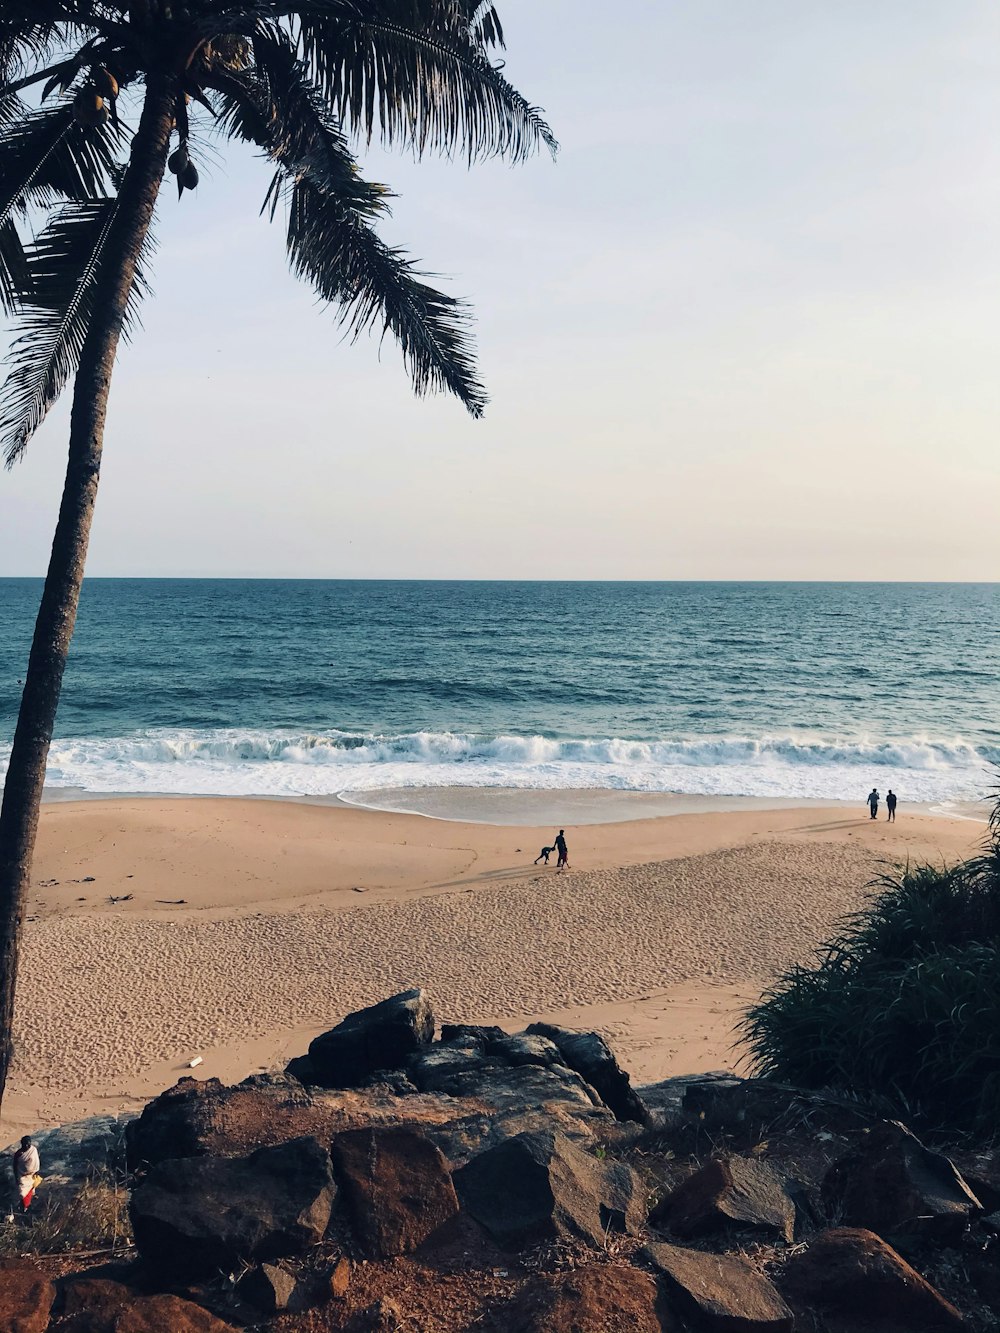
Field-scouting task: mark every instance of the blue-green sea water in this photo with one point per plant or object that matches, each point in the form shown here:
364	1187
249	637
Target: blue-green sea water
312	687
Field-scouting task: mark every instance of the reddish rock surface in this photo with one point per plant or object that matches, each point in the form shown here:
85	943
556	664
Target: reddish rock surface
97	1305
26	1297
595	1299
397	1186
854	1274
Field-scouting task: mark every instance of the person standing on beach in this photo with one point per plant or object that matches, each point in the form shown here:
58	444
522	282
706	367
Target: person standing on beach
873	802
26	1165
890	805
562	862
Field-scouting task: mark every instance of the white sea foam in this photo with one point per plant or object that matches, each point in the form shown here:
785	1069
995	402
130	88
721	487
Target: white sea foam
261	763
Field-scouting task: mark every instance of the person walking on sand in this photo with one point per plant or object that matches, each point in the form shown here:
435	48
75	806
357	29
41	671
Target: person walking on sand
890	806
26	1165
873	802
544	855
562	862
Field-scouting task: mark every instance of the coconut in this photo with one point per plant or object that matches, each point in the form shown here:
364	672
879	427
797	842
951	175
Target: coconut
104	81
89	108
178	160
189	176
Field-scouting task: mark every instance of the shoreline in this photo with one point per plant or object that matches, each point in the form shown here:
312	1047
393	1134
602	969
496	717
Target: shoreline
236	929
525	806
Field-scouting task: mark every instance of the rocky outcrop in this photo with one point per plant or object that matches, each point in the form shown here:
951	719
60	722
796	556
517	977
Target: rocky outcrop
854	1274
595	1299
892	1185
26	1297
196	1216
541	1187
728	1192
719	1293
383	1036
589	1055
102	1306
397	1187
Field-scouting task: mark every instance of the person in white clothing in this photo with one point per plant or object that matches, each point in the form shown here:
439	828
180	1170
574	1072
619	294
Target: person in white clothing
26	1167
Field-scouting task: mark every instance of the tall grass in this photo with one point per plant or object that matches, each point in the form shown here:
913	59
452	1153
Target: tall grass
903	1003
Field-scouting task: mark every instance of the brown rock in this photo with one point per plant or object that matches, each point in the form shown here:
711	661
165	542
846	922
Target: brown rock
157	1314
855	1274
340	1278
26	1297
600	1298
97	1305
397	1185
728	1192
896	1187
91	1305
719	1292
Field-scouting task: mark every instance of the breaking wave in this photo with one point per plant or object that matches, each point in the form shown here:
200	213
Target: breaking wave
276	763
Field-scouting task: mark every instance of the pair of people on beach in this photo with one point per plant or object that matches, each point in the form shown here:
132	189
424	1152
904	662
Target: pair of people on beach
890	804
558	846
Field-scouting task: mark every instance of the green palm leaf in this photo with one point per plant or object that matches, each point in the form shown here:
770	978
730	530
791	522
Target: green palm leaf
64	266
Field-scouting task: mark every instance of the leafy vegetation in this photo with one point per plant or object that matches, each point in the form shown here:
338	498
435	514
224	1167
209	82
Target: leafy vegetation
903	1003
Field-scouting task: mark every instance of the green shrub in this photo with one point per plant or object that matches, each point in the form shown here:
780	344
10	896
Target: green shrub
902	1004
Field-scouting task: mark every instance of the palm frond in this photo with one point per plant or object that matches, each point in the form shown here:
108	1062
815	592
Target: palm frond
417	72
46	155
13	268
338	251
64	265
331	239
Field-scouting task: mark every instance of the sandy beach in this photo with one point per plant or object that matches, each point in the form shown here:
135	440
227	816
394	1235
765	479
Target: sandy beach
165	929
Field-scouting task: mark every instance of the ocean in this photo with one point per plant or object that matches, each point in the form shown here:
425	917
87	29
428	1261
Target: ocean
316	688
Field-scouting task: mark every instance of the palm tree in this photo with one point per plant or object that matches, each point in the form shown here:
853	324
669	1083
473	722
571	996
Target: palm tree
300	80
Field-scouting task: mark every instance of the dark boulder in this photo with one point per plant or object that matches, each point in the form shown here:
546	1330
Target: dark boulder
719	1293
728	1192
172	1125
599	1298
471	1034
397	1186
525	1048
892	1185
589	1055
855	1275
540	1187
26	1297
384	1036
434	1069
194	1216
505	1100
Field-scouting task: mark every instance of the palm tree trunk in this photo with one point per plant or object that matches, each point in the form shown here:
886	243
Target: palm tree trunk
57	614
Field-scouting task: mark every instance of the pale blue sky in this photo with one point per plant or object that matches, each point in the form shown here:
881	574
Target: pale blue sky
747	326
